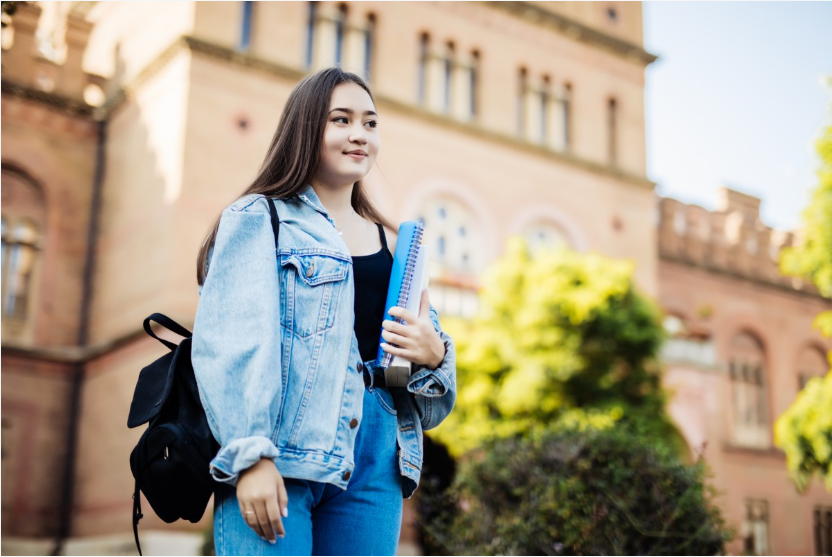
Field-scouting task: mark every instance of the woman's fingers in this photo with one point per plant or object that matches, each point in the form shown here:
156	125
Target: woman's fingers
282	497
398	340
273	512
393	326
263	521
250	517
395	350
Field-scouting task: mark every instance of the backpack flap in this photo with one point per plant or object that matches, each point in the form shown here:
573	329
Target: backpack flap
152	390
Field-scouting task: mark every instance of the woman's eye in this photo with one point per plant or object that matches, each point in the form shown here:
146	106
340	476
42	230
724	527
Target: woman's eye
373	123
339	118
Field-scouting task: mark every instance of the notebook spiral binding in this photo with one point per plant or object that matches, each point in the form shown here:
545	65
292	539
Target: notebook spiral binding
409	268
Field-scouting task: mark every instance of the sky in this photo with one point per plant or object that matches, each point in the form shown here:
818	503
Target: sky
737	99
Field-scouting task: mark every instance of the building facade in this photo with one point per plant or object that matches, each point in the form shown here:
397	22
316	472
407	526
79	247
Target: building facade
127	128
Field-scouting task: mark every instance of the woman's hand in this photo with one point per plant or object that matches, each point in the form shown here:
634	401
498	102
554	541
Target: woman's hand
261	493
416	340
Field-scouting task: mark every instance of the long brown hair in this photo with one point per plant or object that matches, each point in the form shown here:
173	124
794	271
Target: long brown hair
294	155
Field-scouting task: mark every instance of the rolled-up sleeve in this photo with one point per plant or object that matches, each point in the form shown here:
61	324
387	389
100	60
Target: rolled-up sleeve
236	341
434	390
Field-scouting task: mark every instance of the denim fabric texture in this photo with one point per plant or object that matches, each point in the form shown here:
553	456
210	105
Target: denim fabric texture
365	519
275	354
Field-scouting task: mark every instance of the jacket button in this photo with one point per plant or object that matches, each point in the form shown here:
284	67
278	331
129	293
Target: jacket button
347	475
310	270
360	367
353	423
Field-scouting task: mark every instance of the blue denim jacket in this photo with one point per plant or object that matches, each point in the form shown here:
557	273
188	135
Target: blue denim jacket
276	357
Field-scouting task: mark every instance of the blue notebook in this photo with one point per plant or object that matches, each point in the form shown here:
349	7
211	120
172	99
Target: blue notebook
408	278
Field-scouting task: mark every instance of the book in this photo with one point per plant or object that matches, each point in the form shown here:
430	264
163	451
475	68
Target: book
408	278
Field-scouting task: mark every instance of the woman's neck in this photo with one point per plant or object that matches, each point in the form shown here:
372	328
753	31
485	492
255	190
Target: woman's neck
336	201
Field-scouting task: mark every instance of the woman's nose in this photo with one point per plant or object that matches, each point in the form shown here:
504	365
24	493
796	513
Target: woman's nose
358	136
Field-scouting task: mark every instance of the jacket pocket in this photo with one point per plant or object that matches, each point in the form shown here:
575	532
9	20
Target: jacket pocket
313	283
385	400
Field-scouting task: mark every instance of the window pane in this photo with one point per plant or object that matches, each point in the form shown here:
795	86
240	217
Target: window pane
20	267
245	31
3	254
310	34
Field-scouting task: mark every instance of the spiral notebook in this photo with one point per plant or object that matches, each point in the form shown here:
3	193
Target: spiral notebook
408	278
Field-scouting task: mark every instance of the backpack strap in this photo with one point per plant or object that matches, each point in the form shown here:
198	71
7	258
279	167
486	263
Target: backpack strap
137	515
167	323
275	221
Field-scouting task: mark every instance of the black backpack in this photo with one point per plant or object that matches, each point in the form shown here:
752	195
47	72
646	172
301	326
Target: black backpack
170	461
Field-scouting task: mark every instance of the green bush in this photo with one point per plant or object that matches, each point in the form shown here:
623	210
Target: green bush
595	492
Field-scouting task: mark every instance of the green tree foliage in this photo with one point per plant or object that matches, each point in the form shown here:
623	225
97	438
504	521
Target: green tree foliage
812	259
561	339
804	431
600	492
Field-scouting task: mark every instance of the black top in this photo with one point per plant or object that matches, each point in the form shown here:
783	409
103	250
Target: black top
372	278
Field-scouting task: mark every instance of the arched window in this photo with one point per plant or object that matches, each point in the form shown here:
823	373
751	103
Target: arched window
424	41
685	345
369	37
20	243
450	233
522	88
612	132
447	79
310	33
566	109
755	527
474	82
22	231
453	241
545	235
340	24
746	367
812	363
327	36
245	26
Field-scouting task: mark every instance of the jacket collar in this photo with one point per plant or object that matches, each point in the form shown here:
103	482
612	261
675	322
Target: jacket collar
308	196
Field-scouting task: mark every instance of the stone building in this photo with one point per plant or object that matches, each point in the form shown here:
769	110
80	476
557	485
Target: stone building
127	127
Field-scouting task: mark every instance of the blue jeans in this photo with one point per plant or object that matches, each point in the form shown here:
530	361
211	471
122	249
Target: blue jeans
324	519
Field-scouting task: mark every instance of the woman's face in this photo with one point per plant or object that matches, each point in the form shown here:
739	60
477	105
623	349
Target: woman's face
350	131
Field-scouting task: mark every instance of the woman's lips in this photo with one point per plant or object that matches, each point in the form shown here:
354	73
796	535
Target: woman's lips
356	156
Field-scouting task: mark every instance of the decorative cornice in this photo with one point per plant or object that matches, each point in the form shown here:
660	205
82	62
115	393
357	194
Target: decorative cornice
77	354
234	57
194	45
735	276
511	141
58	102
772	452
71	354
574	30
241	58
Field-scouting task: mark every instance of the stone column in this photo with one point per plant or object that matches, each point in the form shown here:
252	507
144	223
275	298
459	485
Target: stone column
534	115
355	50
555	120
435	86
323	45
461	92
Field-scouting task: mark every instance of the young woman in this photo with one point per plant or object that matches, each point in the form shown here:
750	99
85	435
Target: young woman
316	453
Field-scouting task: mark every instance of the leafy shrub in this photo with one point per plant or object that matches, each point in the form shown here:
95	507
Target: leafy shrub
560	338
595	492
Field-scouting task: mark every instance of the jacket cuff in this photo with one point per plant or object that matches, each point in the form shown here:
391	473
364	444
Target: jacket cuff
435	382
240	454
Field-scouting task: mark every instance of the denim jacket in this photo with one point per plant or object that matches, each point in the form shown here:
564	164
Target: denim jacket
276	357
